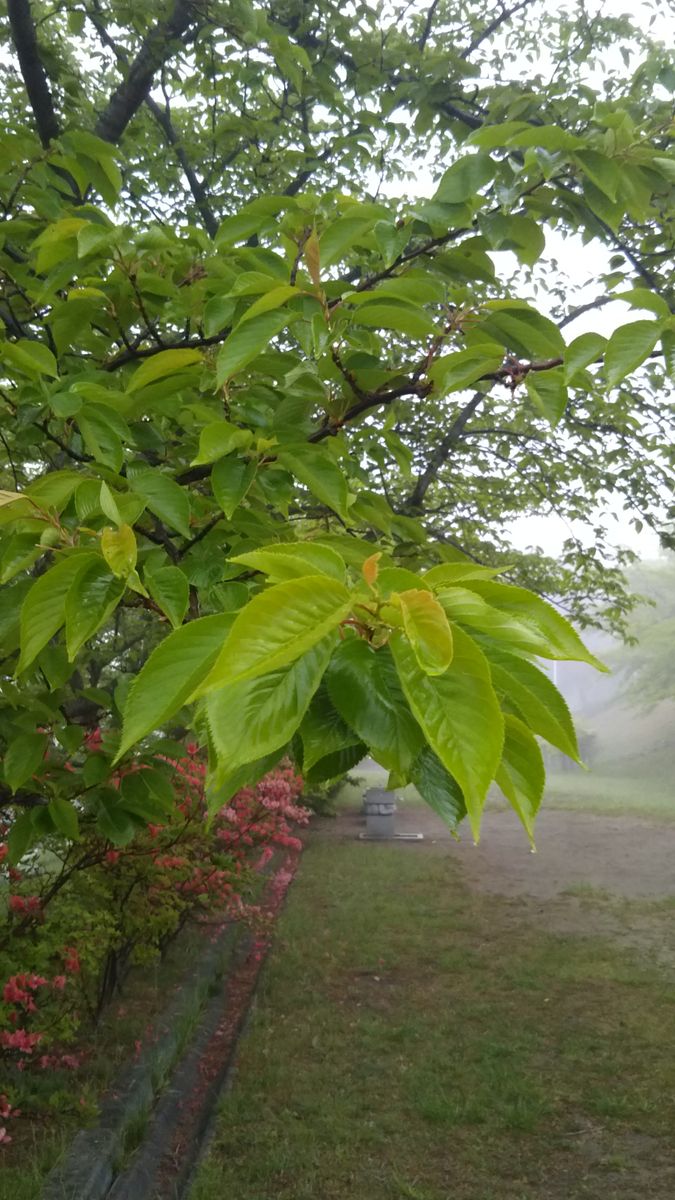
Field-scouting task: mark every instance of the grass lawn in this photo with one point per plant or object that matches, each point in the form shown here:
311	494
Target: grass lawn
607	795
413	1040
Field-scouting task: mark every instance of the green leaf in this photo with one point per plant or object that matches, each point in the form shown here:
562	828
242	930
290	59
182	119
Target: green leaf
522	330
43	612
20	838
521	775
101	437
400	318
459	715
253	717
111	819
252	218
29	357
291	560
464	179
335	765
64	816
628	347
587	348
561	640
535	696
604	172
170	589
452	372
272	299
230	480
364	688
247	341
164	497
119	549
221	438
437	788
342	234
25	755
548	393
645	298
448	574
427	629
170	675
317	469
93	595
167	362
323	730
277	626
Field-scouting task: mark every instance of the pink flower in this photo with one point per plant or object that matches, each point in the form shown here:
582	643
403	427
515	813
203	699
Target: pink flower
4	1136
59	982
4	851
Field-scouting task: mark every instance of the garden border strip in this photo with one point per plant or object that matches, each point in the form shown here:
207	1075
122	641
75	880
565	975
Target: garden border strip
165	1164
93	1168
90	1165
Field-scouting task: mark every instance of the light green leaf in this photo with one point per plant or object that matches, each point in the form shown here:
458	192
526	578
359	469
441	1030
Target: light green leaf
364	688
522	330
170	675
272	299
119	549
459	715
426	628
164	497
452	372
221	438
253	717
521	775
29	357
604	172
400	318
548	393
535	696
277	626
291	560
464	179
230	480
585	349
93	595
43	612
167	362
448	574
562	641
628	347
317	469
645	298
25	755
247	341
170	589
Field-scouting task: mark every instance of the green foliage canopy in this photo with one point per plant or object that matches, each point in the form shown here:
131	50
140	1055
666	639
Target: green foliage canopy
267	422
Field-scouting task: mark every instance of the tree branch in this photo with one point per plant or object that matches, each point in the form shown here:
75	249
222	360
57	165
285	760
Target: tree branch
196	185
504	15
157	48
442	450
32	70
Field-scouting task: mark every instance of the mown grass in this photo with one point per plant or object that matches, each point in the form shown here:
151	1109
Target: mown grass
415	1040
605	795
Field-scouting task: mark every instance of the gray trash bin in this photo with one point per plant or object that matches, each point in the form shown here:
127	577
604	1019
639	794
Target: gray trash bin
380	807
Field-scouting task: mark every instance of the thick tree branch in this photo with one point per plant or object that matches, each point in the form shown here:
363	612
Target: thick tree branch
500	19
197	187
442	451
32	70
157	48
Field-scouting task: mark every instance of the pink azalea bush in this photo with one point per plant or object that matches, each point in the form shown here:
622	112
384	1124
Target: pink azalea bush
75	929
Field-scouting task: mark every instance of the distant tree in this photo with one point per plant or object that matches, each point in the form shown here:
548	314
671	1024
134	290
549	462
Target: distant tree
238	345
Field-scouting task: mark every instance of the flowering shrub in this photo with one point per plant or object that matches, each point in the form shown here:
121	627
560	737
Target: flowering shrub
80	915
